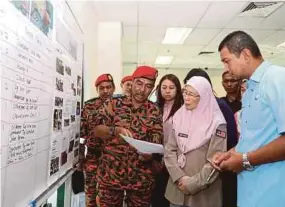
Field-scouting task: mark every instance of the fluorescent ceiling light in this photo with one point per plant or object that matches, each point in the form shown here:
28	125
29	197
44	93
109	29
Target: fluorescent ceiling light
163	60
176	35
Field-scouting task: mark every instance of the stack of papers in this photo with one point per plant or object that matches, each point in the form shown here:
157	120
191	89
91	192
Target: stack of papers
143	146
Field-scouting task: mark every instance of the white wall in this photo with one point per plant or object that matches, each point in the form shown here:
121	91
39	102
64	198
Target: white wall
87	19
109	52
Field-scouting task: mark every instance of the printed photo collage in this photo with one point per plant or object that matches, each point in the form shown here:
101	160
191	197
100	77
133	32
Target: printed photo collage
66	116
73	84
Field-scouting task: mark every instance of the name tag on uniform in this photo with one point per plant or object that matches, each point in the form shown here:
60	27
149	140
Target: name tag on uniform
221	133
182	135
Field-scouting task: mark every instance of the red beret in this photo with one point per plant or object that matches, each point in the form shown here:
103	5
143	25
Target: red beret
127	78
103	78
145	72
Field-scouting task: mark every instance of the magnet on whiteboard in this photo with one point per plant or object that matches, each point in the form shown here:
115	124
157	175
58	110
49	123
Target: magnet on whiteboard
82	140
32	204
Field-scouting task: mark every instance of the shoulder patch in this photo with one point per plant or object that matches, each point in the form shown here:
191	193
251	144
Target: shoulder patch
221	133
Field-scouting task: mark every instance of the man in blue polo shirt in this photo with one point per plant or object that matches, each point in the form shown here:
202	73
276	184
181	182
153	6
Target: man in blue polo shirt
260	154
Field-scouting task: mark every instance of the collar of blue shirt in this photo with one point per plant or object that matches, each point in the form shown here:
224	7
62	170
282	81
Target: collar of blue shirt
260	70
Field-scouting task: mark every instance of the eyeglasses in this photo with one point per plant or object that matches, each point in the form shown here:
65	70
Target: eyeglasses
189	93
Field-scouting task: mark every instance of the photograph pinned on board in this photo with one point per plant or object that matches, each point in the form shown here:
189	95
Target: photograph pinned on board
59	84
72	118
63	158
59	66
54	166
58	101
42	16
78	108
66	122
60	114
79	83
23	6
57	119
68	70
78	91
76	143
73	89
76	152
71	145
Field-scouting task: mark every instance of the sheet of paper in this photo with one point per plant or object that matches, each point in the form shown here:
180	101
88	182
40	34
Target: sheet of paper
143	146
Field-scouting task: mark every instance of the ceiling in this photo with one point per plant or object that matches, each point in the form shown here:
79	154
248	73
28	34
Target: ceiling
144	26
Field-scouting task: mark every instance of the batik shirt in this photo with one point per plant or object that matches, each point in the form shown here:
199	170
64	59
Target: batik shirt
120	167
93	145
90	107
90	162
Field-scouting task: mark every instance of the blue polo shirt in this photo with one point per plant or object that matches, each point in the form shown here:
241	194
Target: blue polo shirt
262	121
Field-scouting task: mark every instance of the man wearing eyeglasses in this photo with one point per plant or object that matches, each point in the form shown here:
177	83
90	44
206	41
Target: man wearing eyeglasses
124	174
232	87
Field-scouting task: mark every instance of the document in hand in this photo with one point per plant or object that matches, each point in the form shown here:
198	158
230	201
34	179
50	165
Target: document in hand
143	146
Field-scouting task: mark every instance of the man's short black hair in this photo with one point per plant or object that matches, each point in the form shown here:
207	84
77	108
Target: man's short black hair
225	73
237	41
197	72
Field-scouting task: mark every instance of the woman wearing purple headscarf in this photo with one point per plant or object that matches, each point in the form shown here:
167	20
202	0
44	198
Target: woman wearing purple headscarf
199	132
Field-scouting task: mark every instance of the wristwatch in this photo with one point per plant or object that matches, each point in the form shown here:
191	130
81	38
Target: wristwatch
245	163
112	131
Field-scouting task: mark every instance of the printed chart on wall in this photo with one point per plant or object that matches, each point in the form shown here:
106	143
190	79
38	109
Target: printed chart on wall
41	86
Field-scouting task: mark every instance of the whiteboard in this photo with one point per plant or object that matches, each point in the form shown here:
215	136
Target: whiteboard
41	84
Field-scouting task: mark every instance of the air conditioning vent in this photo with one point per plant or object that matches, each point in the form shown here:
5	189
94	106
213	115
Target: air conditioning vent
261	9
206	53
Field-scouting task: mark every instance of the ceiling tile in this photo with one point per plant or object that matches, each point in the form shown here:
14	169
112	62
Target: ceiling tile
146	60
182	60
245	23
151	34
269	52
278	61
275	39
171	14
201	36
275	20
220	14
130	34
259	35
200	61
147	49
180	50
214	44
